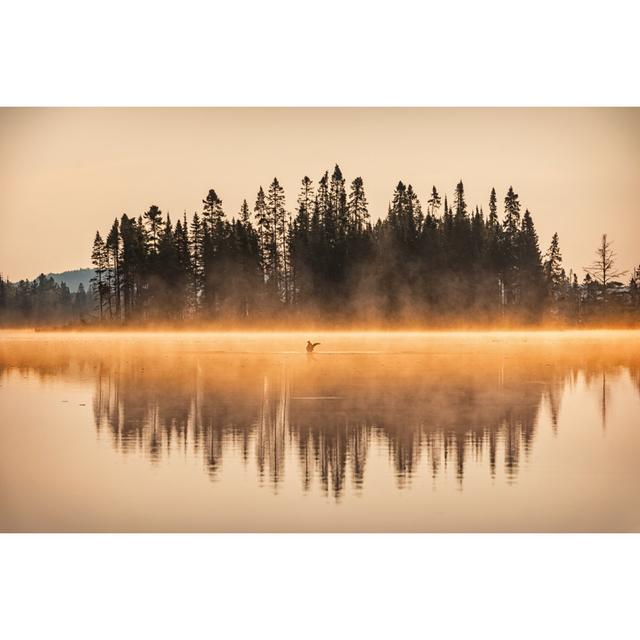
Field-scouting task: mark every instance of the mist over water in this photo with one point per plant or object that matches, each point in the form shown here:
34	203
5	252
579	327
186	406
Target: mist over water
375	432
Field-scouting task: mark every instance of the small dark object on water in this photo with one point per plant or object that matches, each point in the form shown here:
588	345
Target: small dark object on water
311	346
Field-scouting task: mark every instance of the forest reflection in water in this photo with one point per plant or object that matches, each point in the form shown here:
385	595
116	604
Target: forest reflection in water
318	419
328	410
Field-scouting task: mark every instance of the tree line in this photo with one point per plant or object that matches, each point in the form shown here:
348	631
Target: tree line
43	301
433	262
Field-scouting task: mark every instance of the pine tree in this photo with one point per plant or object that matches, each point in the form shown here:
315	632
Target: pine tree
493	209
113	269
129	264
447	223
244	215
196	243
358	206
144	259
278	254
214	252
433	202
530	279
81	302
212	213
552	266
265	235
154	219
402	214
184	265
509	250
512	214
323	210
338	202
100	266
300	241
414	210
461	242
477	236
459	203
169	289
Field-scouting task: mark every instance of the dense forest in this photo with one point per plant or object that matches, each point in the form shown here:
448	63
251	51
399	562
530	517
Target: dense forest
431	263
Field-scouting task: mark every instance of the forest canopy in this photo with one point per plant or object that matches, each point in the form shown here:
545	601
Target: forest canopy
430	263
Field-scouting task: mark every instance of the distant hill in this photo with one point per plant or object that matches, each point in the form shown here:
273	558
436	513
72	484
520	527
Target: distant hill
73	278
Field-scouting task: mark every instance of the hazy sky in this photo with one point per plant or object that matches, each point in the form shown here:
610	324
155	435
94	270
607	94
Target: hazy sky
66	172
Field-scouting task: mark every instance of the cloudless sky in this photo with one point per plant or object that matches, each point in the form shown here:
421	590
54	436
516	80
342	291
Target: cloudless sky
66	172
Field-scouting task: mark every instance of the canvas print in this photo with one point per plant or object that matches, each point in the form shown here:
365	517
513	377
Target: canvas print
319	320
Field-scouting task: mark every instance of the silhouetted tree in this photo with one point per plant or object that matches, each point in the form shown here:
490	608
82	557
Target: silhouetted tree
112	246
603	270
153	216
329	262
552	265
100	264
358	207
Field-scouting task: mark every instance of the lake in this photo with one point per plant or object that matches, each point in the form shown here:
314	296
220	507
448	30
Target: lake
243	432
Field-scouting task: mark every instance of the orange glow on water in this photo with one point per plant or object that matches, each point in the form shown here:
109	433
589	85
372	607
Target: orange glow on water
377	431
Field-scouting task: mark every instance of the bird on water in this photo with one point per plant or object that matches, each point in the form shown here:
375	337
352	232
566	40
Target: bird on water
311	346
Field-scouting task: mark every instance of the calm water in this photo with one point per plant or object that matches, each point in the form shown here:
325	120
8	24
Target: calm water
245	432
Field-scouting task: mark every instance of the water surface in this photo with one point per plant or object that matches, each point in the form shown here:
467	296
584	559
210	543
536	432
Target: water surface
375	432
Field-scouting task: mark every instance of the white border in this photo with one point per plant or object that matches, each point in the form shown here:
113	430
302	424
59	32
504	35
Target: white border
337	52
319	586
330	53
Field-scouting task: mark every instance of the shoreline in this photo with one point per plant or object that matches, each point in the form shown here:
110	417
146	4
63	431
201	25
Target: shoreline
142	331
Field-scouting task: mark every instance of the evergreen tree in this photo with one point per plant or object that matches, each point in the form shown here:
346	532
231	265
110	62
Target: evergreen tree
459	203
552	266
338	202
447	225
414	210
112	246
358	207
265	236
130	266
278	254
213	252
493	208
401	216
434	202
461	231
169	285
306	200
300	243
212	213
530	282
154	220
184	266
511	215
196	243
323	210
245	214
80	303
100	266
509	252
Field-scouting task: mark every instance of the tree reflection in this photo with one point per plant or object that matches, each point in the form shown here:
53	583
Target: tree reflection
322	419
329	419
